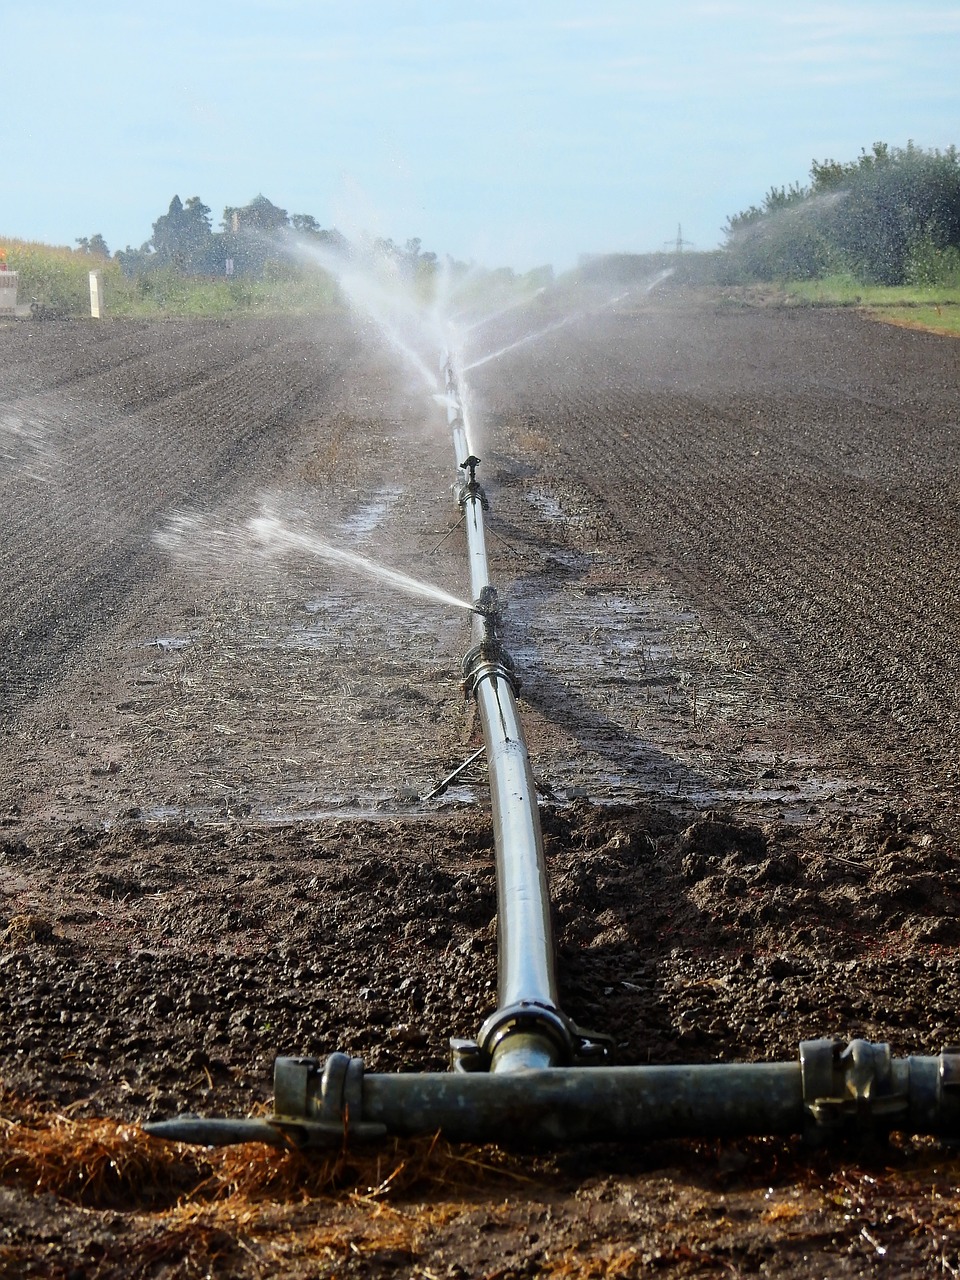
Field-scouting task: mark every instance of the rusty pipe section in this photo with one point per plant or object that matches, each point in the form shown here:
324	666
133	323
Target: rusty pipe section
832	1092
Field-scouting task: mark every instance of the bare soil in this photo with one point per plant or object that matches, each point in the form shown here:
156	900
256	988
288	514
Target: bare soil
727	539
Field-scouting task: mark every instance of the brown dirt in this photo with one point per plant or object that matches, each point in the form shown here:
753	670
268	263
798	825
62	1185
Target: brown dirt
727	538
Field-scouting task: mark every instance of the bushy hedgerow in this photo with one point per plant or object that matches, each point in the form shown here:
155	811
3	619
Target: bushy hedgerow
891	217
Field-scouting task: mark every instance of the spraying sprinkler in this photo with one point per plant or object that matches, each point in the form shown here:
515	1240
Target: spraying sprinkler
471	490
487	606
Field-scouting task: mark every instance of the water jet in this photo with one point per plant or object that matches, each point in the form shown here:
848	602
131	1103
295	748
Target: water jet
273	535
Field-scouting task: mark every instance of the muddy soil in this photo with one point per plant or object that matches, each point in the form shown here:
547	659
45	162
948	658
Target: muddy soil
727	540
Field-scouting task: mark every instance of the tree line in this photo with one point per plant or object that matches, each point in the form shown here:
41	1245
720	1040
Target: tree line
254	240
891	217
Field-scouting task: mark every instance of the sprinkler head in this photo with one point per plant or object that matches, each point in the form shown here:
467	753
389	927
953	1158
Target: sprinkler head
472	491
487	603
488	607
470	464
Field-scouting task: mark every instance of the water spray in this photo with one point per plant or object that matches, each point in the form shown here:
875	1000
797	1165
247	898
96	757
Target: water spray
272	535
572	318
532	1074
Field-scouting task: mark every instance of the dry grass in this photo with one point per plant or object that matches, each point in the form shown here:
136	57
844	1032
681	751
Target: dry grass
611	1264
238	1210
93	1163
106	1164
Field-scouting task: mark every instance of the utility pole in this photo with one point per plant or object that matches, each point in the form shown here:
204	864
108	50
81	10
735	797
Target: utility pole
679	244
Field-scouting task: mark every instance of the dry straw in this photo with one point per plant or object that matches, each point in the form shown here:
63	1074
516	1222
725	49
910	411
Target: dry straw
105	1164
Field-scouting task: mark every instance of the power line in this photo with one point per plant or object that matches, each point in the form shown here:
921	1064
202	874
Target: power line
679	244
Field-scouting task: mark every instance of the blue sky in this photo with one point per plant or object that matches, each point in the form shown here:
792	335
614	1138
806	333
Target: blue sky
510	132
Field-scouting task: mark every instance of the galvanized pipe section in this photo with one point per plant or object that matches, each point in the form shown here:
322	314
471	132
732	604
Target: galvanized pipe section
526	977
525	938
476	541
470	495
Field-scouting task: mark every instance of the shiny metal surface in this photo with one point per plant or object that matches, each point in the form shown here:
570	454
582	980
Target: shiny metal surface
524	932
526	973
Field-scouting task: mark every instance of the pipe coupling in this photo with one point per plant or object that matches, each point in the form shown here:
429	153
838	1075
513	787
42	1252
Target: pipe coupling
472	492
570	1044
319	1108
859	1089
488	663
528	1019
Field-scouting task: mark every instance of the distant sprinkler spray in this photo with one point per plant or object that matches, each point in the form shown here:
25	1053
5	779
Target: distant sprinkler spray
572	318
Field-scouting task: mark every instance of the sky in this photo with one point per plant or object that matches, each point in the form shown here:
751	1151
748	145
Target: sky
507	133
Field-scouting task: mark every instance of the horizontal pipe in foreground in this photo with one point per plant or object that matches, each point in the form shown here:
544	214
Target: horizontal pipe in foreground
830	1091
590	1104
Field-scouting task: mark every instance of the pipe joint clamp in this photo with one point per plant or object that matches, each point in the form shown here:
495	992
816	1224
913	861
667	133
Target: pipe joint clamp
850	1089
472	491
320	1108
575	1047
488	662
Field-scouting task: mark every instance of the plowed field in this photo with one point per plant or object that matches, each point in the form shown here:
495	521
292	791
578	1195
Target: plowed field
727	540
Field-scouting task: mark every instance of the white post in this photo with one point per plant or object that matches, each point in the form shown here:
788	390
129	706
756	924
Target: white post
8	293
96	295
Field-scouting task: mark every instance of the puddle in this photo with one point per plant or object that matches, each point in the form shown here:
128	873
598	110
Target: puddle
351	809
546	506
638	700
799	800
169	643
339	619
363	522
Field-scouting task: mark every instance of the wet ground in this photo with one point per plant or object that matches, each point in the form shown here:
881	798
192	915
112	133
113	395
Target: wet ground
726	538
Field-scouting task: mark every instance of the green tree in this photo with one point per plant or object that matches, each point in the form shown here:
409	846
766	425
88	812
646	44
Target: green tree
183	239
260	215
95	245
890	215
254	237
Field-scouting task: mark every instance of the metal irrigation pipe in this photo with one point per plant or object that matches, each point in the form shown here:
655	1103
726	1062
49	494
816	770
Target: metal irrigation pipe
527	1031
532	1075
